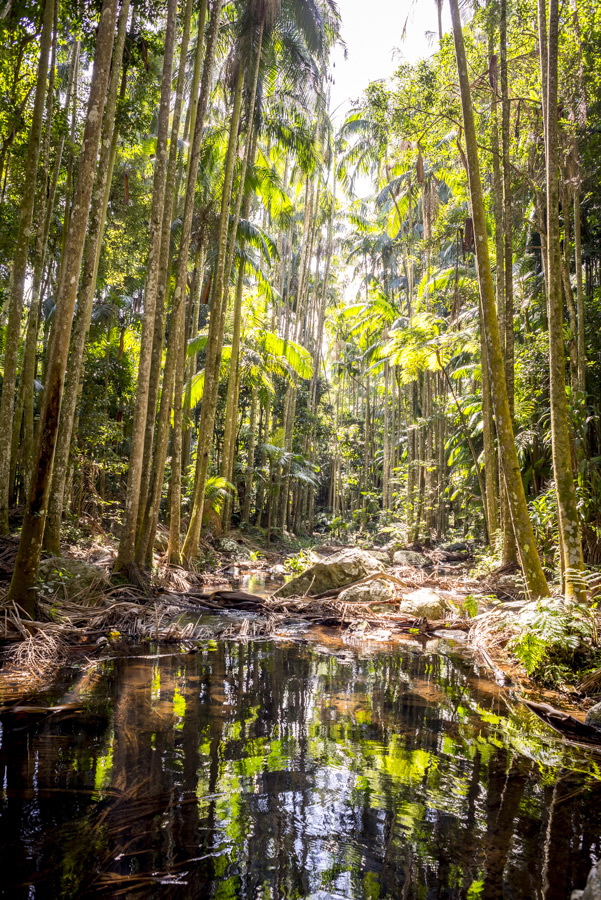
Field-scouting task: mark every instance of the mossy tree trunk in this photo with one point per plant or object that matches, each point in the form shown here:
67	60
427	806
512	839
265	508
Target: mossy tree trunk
569	527
535	579
19	263
30	544
87	289
127	544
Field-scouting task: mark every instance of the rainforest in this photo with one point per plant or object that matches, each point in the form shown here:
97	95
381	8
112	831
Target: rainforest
300	449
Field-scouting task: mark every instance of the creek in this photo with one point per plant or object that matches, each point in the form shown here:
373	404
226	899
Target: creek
292	767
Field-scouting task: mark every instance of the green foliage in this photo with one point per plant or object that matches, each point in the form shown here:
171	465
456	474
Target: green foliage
299	562
554	638
216	490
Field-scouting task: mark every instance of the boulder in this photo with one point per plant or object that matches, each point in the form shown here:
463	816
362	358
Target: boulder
335	571
410	558
423	604
237	552
382	555
374	591
593	716
277	571
227	545
592	890
72	576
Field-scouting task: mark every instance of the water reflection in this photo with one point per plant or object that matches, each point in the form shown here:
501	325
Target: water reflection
271	770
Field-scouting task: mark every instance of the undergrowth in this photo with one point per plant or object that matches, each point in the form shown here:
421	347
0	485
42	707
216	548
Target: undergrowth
556	640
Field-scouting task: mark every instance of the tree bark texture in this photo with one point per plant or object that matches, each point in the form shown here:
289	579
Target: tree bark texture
125	558
87	289
522	526
19	266
569	527
30	544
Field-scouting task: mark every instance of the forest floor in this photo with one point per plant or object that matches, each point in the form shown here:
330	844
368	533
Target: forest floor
84	614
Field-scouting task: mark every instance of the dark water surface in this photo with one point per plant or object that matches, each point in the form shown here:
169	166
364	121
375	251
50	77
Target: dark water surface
276	769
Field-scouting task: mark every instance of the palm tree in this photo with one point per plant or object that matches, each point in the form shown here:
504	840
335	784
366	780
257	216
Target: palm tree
30	544
19	265
127	542
531	565
569	525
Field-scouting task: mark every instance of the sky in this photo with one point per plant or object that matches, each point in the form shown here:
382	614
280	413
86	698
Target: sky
373	33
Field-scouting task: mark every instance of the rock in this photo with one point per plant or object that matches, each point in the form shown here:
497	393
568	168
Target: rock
72	576
374	591
593	716
335	571
227	545
410	558
423	604
452	634
277	571
453	548
237	552
592	890
382	555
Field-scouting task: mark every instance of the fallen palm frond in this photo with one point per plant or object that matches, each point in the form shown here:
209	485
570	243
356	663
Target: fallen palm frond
331	611
592	683
44	646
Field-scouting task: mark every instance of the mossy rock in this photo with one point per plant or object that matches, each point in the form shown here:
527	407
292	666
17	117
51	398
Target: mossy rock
72	577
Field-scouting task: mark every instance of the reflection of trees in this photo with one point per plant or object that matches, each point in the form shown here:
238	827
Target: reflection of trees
264	770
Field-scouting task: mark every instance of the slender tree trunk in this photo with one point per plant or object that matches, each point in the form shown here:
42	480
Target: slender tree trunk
19	265
233	388
579	290
522	526
509	548
146	538
125	558
24	409
569	527
220	293
87	289
507	211
212	364
580	116
250	466
30	544
490	455
163	274
231	406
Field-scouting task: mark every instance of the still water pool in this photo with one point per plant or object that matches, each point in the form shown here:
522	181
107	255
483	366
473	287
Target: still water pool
281	769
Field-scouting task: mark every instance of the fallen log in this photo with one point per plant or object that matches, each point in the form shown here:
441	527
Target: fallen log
563	723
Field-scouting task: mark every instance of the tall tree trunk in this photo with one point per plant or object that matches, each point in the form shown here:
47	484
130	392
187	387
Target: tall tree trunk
220	294
147	534
19	265
509	548
24	410
233	387
522	526
163	276
125	558
231	406
490	455
250	466
569	527
580	116
507	211
87	289
30	544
